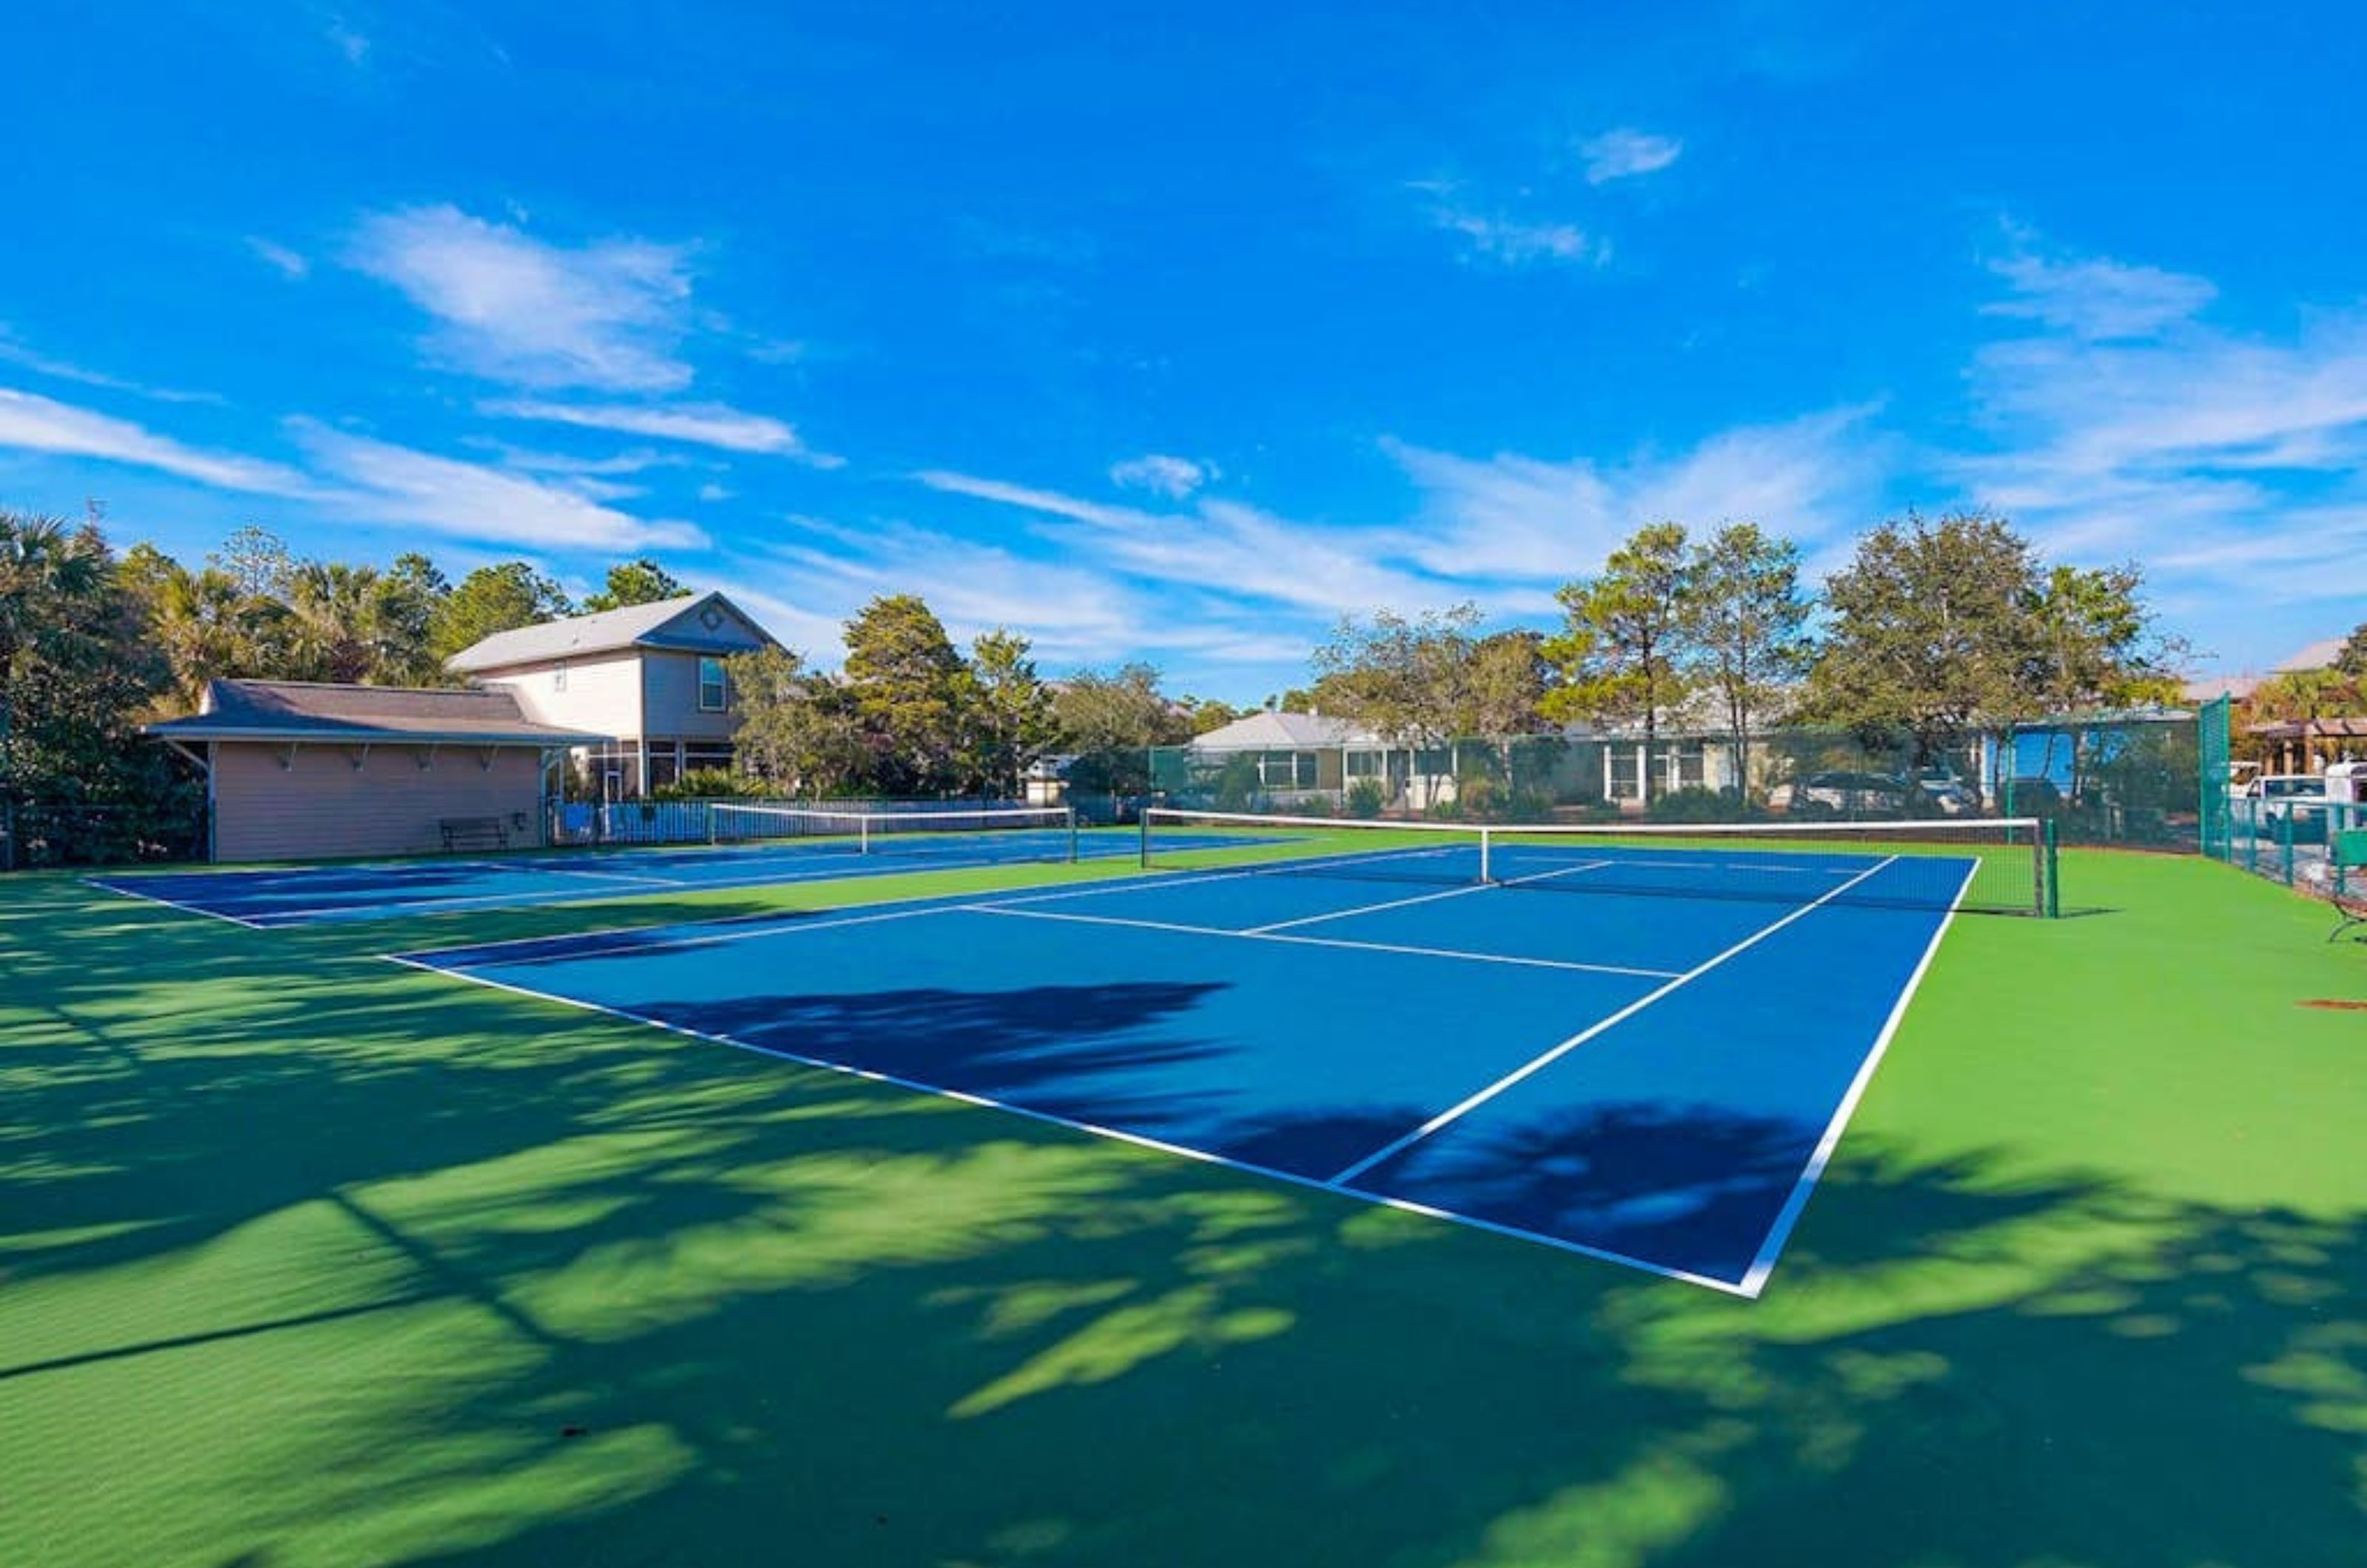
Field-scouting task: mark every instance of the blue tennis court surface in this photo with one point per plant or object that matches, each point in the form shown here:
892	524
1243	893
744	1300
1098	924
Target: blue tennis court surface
299	896
1655	1080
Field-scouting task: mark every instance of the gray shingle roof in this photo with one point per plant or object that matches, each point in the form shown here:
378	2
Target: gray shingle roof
304	710
1283	731
669	623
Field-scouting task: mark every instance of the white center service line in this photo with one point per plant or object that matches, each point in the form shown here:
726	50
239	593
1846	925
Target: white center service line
1537	1064
1424	899
1316	941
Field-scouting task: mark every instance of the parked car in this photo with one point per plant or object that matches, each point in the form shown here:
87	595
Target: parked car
1848	794
1947	790
2264	804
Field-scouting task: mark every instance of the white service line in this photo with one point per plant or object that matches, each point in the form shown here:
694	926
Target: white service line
1233	935
1424	899
1754	1278
1539	1063
785	924
120	891
1072	1124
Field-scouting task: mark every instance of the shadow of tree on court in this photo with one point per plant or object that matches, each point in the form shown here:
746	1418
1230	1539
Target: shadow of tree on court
347	1262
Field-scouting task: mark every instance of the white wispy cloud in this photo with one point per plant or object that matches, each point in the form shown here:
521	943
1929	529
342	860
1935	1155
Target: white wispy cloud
1234	550
378	482
29	423
2099	299
1173	478
13	351
701	425
1530	520
711	493
609	316
287	263
1625	153
1510	241
1073	613
2122	424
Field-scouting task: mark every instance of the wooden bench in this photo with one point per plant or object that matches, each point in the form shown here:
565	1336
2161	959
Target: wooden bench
2349	850
474	833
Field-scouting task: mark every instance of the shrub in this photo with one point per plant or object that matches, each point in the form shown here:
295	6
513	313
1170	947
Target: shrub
1366	798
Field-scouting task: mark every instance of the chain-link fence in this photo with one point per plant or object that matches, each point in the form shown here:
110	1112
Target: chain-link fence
2126	779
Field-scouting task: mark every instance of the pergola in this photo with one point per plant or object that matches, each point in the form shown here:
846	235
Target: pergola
2307	745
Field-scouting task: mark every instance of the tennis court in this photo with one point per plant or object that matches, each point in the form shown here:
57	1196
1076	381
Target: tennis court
759	848
1654	1075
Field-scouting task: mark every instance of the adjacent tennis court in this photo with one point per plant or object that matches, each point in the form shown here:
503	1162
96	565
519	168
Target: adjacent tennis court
755	847
1646	1076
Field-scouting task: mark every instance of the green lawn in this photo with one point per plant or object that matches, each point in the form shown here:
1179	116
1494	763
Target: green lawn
307	1258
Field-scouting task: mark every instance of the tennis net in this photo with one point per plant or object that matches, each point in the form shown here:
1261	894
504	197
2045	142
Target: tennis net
996	832
1998	866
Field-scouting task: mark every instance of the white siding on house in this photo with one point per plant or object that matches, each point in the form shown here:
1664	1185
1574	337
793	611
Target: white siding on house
600	696
318	804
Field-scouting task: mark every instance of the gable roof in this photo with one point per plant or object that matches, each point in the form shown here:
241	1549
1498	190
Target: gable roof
1283	731
308	710
668	623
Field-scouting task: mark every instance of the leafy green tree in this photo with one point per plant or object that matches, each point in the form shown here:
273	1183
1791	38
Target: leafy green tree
258	561
1110	721
2094	641
76	672
1008	710
641	581
1929	632
909	684
2352	658
1408	679
1117	710
1745	626
1620	652
414	589
800	731
494	599
1504	683
1205	714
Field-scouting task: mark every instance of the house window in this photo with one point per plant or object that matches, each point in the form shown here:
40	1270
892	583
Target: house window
711	693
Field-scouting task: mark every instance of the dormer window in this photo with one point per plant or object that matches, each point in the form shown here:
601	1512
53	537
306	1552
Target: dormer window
712	693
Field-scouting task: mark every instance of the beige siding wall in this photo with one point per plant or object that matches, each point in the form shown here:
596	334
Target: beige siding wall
599	696
672	707
322	804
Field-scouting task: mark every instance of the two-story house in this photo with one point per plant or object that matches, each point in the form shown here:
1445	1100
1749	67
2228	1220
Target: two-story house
652	676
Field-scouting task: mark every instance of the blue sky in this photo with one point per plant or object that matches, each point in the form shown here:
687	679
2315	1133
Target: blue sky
1177	332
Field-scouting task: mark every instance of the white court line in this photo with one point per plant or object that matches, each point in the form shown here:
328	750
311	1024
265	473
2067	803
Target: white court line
1118	1135
1318	942
122	892
541	869
1424	899
363	913
1175	878
1754	1278
785	924
1539	1063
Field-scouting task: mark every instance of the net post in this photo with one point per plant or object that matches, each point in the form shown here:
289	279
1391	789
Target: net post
862	833
1487	867
2050	874
1142	833
1071	818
